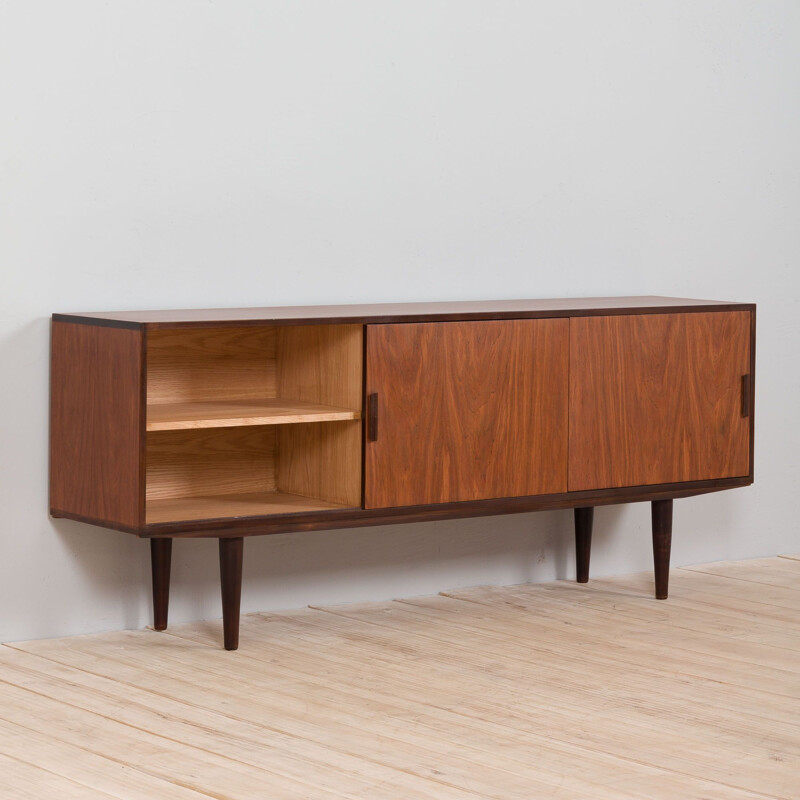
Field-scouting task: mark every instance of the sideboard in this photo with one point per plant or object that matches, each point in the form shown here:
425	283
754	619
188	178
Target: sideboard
229	423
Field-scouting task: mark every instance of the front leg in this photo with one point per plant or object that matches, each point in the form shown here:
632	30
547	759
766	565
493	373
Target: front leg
583	541
662	542
230	573
160	562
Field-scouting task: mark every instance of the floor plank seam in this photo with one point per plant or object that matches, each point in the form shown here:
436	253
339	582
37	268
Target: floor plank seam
623	658
117	761
589	749
232	719
160	736
515	731
96	792
434	730
744	580
505	693
464	713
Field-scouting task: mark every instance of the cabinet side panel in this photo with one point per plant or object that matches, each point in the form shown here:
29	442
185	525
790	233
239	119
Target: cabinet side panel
658	399
321	364
96	423
467	411
321	460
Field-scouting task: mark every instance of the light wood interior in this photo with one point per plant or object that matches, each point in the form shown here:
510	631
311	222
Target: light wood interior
321	460
217	461
237	413
227	376
210	473
528	692
208	364
242	504
245	421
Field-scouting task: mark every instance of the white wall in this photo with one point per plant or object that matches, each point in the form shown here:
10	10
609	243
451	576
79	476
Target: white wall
165	154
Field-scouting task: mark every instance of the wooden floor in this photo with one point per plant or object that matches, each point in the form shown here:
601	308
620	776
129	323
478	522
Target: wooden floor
544	691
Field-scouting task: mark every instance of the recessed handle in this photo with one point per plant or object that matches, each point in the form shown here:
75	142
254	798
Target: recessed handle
745	395
372	417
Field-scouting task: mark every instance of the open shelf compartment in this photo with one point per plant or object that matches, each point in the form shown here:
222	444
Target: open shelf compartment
253	421
259	375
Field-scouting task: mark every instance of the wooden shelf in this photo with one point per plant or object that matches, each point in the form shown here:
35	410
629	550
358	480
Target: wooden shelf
235	413
247	504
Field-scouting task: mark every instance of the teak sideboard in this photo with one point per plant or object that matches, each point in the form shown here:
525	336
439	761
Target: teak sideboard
228	423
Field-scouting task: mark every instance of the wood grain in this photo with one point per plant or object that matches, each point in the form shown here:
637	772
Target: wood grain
514	692
96	424
211	364
468	410
402	312
321	364
211	474
300	379
229	507
230	413
361	517
199	362
209	462
657	399
321	460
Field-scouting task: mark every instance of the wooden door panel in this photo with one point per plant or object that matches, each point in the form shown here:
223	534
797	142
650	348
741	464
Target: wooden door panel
467	411
657	398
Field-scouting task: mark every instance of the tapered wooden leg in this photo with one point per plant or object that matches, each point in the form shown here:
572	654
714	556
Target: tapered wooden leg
160	561
583	541
662	541
230	573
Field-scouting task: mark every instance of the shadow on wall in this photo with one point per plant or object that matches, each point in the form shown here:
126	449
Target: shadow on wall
114	566
329	567
356	565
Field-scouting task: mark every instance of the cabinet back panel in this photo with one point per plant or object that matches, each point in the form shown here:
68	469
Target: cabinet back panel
311	363
467	411
205	364
213	461
658	399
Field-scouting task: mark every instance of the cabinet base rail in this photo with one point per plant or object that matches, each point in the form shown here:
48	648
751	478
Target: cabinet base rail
231	550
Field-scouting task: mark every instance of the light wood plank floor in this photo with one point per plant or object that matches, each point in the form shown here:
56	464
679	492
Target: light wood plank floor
523	692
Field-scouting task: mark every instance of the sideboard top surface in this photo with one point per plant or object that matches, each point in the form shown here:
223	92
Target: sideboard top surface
401	312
